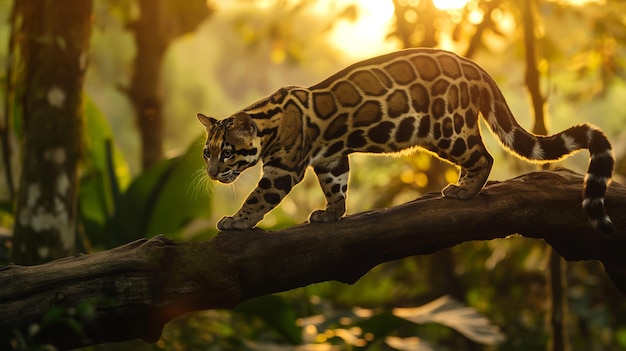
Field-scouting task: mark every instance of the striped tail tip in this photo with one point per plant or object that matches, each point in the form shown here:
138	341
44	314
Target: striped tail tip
597	179
597	215
603	225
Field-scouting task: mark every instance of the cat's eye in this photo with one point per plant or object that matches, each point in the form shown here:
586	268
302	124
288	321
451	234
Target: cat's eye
206	154
227	153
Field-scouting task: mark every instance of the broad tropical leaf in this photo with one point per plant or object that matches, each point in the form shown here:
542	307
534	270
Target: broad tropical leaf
449	312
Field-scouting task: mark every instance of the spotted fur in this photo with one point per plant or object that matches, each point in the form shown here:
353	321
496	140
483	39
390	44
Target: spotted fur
412	98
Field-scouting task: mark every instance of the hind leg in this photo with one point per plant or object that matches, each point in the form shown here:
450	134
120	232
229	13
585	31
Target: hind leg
475	170
333	178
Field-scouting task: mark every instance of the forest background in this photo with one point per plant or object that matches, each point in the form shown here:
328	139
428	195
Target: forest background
229	54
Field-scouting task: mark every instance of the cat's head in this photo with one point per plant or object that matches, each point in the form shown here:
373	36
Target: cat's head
232	145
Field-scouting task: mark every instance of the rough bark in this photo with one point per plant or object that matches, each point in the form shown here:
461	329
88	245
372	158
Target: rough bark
52	43
135	289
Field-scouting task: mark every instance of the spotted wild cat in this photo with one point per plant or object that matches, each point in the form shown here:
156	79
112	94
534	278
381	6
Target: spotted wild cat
412	98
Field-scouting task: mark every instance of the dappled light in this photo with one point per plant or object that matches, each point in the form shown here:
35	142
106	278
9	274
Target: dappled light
149	66
450	4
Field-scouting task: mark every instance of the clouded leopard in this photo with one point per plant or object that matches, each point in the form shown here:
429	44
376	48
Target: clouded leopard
424	98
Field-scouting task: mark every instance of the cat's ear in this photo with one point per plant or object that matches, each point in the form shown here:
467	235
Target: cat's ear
244	126
206	120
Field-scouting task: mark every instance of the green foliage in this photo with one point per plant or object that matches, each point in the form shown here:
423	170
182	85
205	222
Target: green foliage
69	321
161	200
275	312
181	196
280	322
105	172
6	221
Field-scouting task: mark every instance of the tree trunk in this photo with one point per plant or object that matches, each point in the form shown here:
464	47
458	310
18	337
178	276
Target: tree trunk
532	72
145	89
52	46
135	289
159	23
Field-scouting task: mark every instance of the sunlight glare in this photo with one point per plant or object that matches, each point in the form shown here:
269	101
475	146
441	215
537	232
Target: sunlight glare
583	2
366	36
450	4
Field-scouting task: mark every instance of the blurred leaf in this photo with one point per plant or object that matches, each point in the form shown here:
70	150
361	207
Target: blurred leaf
451	313
276	312
186	16
54	315
620	336
264	346
407	344
6	206
350	13
381	324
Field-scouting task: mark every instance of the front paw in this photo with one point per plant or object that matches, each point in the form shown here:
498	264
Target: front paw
325	216
456	192
232	223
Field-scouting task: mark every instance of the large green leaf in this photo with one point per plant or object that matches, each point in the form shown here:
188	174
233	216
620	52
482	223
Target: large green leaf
163	199
180	198
104	172
454	314
135	207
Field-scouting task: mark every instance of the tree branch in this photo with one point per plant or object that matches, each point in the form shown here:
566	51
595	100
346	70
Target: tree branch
137	288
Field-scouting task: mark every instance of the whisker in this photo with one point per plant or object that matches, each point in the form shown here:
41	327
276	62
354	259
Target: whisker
199	185
199	141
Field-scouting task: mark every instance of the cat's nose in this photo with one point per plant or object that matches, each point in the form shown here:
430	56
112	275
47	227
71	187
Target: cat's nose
212	172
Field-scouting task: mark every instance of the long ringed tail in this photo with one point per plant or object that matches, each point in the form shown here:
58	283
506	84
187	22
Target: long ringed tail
554	147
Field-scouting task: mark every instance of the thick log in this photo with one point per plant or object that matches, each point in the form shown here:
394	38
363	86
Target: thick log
135	289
